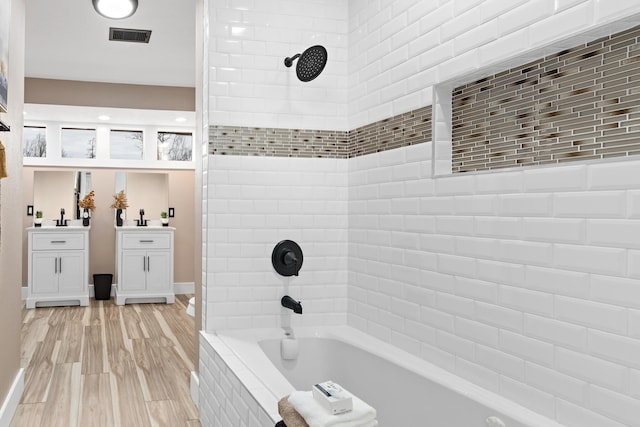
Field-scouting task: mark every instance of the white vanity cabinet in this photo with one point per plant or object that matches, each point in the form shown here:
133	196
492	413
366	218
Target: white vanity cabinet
144	264
58	266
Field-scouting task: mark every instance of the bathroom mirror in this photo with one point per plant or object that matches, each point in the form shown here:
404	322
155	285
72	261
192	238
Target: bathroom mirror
55	190
144	190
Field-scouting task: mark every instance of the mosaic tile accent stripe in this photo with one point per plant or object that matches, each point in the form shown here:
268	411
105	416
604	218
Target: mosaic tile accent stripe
402	130
580	104
245	141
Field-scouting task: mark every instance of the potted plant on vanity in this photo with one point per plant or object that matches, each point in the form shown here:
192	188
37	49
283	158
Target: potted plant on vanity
38	220
120	203
87	204
164	218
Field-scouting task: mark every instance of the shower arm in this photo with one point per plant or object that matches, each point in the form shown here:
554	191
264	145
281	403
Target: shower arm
288	62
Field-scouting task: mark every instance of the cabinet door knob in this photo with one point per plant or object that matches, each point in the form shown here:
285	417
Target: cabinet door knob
58	242
146	241
56	265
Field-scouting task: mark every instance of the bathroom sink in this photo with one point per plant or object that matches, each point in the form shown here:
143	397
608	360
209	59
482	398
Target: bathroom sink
143	227
61	228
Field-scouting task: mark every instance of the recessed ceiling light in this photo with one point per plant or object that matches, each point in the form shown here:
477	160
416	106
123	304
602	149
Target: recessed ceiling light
115	9
181	119
104	117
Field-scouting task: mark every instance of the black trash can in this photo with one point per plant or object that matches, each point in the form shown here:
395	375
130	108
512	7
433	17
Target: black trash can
102	285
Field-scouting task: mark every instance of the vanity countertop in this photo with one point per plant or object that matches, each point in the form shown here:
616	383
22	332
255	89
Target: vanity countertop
53	228
145	228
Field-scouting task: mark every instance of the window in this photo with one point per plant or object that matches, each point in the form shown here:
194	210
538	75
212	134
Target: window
78	143
126	144
175	146
34	141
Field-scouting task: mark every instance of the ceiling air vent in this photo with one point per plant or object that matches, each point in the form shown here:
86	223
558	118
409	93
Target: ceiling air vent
129	35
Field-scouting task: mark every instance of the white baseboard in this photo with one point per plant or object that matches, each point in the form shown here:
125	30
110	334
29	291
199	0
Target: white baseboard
92	293
178	288
194	388
184	288
12	400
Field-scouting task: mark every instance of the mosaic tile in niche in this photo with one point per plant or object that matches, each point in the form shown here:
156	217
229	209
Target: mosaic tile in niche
579	104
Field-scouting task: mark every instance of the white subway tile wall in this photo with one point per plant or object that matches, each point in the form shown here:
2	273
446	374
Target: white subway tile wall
453	39
228	396
493	276
384	58
249	83
262	201
534	298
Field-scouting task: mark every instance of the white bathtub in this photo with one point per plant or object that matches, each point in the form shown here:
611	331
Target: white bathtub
405	390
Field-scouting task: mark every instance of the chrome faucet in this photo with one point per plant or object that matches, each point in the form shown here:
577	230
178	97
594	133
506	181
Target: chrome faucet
291	304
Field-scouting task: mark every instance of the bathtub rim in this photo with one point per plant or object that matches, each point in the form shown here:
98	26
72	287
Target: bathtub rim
240	350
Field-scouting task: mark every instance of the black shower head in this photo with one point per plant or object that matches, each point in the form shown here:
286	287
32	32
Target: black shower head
310	63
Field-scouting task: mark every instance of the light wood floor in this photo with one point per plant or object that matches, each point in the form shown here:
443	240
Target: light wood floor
106	365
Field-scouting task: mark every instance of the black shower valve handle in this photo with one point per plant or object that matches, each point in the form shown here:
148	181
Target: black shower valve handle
289	258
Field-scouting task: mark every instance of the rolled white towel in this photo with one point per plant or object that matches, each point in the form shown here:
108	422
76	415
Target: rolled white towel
362	415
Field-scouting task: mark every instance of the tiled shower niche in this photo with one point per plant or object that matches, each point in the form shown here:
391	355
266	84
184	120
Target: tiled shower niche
580	104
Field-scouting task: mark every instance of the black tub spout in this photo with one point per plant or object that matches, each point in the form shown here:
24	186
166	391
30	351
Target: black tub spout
291	304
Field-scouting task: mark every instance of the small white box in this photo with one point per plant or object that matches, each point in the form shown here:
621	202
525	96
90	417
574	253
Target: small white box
332	397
